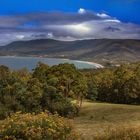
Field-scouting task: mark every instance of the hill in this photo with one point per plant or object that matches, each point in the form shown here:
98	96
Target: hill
104	51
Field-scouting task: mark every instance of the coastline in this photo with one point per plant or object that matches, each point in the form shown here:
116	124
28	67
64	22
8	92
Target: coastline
67	60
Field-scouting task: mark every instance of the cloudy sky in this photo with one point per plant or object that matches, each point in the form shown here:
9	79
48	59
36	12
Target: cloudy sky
69	19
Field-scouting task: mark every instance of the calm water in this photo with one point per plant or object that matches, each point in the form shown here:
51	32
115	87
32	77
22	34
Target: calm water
15	63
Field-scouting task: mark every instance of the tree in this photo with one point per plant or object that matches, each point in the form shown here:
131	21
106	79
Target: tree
33	95
92	90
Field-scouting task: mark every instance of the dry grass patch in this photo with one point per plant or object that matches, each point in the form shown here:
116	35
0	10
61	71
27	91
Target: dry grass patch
97	118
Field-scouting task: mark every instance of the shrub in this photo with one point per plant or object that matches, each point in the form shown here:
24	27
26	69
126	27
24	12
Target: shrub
63	107
43	126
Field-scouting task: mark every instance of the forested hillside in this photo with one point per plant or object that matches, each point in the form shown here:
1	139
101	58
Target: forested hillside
104	51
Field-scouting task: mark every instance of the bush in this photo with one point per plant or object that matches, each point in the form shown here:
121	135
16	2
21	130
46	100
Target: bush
64	108
58	103
4	112
43	126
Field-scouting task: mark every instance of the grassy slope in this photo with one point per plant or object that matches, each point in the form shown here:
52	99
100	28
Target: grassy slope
97	117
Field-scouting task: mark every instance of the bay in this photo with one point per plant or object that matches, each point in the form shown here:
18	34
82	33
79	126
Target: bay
15	62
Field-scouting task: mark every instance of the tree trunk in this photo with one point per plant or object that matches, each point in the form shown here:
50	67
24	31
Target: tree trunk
81	101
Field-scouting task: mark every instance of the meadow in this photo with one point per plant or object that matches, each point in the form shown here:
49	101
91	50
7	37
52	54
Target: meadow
97	119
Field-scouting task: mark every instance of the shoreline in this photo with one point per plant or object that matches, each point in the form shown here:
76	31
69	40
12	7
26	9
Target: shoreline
52	58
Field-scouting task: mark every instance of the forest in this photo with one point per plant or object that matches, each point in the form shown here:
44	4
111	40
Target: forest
115	85
42	101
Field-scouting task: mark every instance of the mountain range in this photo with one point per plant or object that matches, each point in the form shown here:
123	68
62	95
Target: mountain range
103	51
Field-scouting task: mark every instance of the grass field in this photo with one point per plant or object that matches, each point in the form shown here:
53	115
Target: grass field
98	117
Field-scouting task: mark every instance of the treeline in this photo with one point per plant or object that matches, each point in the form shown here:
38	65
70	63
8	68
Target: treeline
45	88
54	88
115	85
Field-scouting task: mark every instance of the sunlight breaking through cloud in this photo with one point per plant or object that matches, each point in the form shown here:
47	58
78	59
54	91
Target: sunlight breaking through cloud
65	26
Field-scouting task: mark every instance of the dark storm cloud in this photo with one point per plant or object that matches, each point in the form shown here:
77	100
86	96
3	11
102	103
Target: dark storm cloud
37	21
64	26
46	18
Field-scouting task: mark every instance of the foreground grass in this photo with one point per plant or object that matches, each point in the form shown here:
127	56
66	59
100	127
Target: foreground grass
103	118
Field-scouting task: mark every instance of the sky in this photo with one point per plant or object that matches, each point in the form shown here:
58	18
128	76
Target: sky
69	20
124	10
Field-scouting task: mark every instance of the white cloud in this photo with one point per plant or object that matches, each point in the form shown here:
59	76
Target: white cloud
112	20
81	11
50	35
81	28
103	15
20	36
